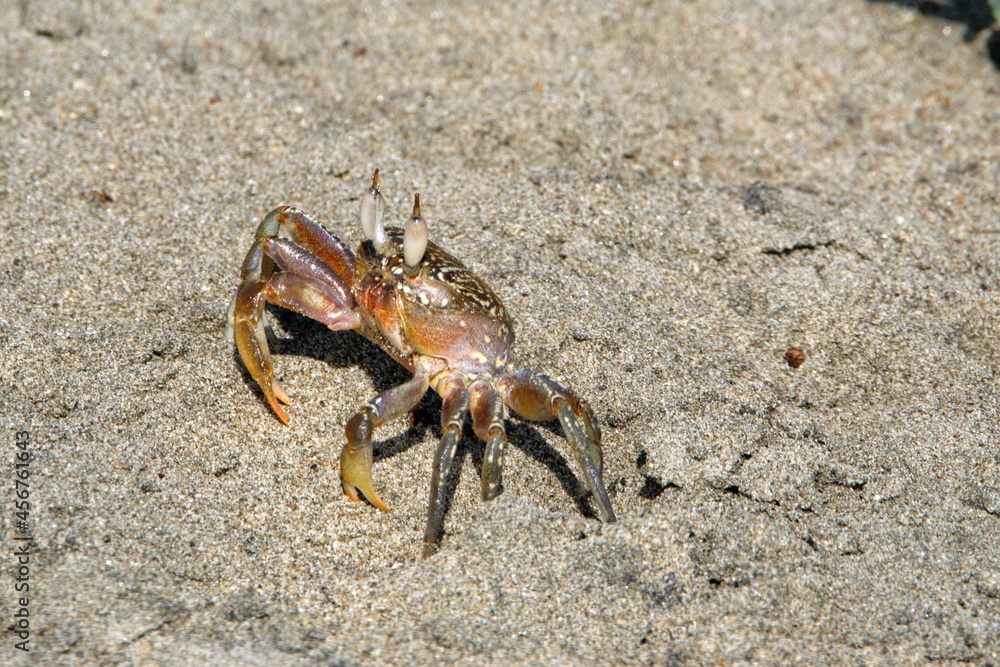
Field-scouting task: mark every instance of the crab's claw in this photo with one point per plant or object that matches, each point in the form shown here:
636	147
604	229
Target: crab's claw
356	460
275	396
251	341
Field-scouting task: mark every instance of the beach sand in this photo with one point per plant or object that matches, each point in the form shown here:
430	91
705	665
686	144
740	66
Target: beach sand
667	196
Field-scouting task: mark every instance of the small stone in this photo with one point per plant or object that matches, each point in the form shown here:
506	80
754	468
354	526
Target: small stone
795	357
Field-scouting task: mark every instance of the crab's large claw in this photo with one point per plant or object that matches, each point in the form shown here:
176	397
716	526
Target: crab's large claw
248	331
307	274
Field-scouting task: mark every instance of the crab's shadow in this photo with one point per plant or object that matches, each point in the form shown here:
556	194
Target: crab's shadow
977	15
296	335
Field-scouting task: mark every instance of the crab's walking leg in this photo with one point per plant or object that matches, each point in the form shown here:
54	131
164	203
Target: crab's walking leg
455	397
537	397
487	422
278	271
356	457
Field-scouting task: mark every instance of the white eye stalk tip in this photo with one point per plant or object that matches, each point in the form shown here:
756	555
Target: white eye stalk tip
414	238
373	214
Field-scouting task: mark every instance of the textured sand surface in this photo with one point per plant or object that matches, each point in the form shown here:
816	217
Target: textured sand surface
667	196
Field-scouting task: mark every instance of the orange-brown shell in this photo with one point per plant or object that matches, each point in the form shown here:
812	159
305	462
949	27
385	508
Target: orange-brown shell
443	310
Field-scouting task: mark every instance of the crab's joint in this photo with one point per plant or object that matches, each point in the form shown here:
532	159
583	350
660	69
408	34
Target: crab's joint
373	214
414	239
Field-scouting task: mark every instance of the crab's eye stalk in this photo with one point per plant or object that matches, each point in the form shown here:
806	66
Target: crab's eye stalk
373	214
414	238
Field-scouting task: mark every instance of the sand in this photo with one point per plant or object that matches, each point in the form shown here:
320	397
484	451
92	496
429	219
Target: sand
667	196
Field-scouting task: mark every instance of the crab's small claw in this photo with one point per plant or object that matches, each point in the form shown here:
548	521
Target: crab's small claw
356	456
356	475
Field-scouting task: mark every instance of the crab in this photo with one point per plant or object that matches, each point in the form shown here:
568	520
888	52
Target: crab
427	311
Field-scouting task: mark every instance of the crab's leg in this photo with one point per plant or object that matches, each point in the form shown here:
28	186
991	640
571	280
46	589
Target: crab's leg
537	397
356	456
455	397
487	421
305	284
